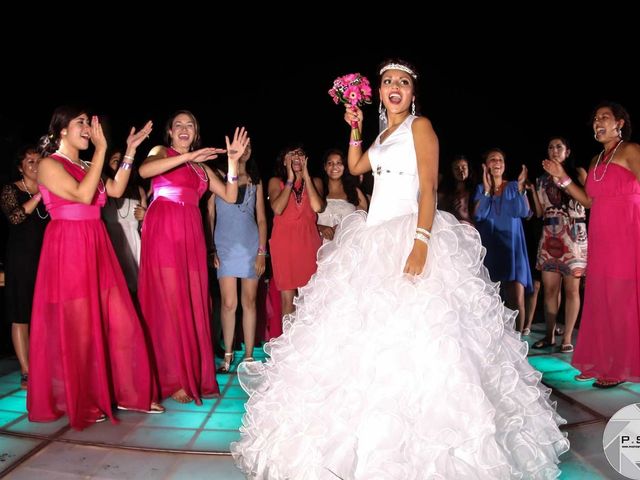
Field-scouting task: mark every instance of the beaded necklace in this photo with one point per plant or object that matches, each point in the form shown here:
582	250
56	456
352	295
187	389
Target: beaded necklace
83	165
201	177
24	185
297	192
115	200
607	160
204	177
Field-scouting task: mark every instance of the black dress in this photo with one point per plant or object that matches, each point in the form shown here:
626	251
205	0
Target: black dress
23	252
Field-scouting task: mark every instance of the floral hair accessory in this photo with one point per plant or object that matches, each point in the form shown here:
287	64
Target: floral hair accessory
397	66
352	89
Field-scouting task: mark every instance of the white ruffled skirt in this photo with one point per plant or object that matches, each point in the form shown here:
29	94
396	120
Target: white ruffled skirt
379	375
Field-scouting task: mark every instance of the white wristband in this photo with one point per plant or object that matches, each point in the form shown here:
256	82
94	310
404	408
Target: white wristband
423	231
422	238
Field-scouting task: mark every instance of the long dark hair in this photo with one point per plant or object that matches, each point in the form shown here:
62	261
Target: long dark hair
570	169
349	182
60	119
569	163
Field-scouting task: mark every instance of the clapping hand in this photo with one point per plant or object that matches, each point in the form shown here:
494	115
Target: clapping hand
136	138
304	161
522	178
553	168
486	178
287	163
97	134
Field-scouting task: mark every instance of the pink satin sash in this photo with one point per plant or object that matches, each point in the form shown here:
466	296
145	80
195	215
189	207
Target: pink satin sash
75	211
182	195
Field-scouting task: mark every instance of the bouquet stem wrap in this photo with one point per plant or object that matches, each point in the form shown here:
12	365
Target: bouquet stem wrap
352	89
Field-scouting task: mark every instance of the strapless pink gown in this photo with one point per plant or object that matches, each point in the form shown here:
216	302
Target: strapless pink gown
87	349
173	285
609	336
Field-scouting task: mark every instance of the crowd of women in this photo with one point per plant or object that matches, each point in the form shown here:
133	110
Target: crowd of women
116	314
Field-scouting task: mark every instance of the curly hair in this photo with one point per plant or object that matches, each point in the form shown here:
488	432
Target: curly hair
619	113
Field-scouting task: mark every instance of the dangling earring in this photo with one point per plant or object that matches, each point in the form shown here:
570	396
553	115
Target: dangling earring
382	112
382	117
413	106
619	131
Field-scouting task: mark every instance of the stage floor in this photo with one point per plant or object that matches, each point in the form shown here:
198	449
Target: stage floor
192	442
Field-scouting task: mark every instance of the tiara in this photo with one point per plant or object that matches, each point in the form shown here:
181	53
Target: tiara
397	66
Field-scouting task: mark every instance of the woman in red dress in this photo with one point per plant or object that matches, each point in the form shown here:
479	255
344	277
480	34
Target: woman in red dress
295	240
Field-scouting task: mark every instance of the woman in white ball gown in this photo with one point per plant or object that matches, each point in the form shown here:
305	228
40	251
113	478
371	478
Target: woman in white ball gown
400	361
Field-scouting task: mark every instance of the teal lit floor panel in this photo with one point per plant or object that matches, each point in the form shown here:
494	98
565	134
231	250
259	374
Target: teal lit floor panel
204	432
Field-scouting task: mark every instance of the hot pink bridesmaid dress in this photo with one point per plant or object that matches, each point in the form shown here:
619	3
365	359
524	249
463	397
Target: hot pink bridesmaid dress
88	350
609	337
173	286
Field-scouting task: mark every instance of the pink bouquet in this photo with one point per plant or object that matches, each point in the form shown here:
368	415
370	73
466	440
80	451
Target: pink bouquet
352	89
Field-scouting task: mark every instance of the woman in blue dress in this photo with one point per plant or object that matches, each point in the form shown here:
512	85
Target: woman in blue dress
240	236
500	207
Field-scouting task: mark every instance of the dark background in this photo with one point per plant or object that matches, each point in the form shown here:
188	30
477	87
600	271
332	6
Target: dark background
507	79
495	85
489	92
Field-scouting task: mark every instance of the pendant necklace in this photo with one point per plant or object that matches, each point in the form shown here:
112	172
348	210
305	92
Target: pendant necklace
607	160
46	215
83	165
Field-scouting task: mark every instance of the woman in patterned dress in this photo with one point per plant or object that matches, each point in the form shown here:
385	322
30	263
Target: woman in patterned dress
562	249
